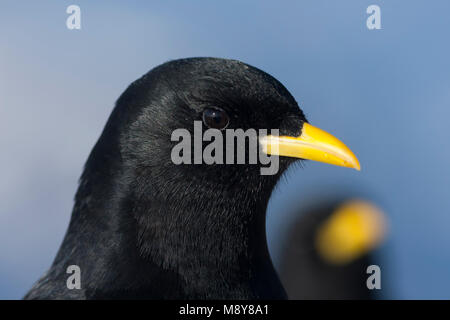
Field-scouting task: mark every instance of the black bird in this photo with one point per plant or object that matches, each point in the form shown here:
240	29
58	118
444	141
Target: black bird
143	227
329	248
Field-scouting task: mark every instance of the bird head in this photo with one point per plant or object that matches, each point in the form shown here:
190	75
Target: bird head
201	224
219	95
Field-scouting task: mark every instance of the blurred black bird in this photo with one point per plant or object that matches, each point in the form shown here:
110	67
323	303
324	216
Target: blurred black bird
329	248
143	227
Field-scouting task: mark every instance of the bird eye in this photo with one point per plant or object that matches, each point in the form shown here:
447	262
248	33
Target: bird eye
215	118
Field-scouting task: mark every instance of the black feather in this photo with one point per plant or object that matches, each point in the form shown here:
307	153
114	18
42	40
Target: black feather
143	227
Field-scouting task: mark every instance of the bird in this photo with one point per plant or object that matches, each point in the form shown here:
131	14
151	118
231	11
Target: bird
143	227
330	247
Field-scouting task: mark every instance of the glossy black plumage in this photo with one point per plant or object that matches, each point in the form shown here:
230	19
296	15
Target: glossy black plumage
143	227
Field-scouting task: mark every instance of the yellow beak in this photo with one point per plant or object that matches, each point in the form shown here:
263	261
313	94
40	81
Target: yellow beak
313	144
352	230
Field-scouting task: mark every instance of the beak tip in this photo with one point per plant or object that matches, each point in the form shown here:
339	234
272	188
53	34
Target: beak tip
351	161
354	162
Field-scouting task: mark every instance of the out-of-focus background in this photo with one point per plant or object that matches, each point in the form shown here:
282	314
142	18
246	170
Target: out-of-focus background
385	93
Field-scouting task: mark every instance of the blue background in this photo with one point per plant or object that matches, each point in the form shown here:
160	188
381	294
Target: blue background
385	93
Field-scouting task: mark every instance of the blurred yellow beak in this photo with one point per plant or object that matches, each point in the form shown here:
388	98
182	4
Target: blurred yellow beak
353	229
313	144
